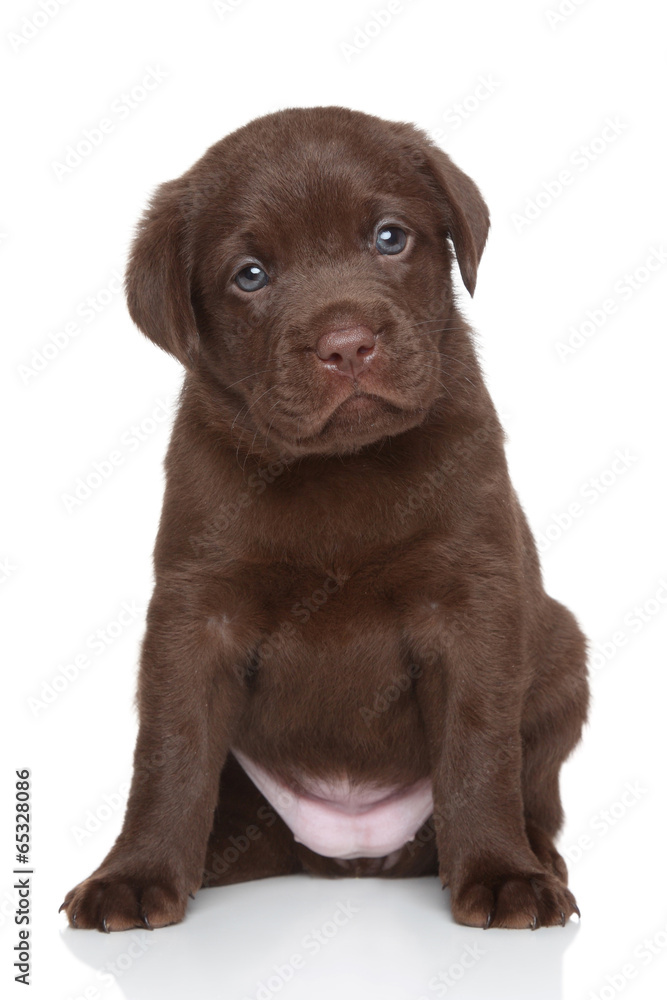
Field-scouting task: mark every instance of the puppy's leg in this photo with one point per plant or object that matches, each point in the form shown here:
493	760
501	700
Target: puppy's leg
554	714
189	699
249	840
471	701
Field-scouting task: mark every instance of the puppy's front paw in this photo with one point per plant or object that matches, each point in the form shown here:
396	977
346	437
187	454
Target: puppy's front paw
117	903
514	899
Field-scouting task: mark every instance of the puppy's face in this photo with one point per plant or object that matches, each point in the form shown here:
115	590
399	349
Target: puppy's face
304	264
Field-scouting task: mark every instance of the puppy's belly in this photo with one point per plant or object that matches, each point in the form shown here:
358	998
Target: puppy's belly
338	820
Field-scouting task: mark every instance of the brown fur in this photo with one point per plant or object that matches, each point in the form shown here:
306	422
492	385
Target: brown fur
435	650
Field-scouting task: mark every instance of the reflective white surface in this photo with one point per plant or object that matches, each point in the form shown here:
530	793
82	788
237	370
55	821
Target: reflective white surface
308	938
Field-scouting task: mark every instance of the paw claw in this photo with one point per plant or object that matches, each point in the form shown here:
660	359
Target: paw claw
488	921
147	923
105	927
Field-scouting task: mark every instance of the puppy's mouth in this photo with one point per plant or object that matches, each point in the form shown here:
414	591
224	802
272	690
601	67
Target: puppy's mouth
358	417
354	418
359	402
361	406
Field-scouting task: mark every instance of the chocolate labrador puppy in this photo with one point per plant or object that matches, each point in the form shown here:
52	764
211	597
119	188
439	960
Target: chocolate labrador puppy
350	665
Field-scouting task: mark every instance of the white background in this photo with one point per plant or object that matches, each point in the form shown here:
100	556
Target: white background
550	87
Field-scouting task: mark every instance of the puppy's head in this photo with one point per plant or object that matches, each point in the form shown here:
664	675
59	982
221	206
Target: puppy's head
303	267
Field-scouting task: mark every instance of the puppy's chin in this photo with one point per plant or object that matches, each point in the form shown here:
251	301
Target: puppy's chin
358	421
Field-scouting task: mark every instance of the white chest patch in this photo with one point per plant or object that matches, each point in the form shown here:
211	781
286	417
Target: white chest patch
338	820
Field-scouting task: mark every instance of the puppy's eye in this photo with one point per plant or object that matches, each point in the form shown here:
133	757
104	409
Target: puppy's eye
251	278
391	239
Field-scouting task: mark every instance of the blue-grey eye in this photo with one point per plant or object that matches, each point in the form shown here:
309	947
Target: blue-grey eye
391	239
251	278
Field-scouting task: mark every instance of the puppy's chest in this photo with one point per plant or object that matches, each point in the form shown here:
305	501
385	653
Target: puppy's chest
327	636
341	632
332	733
316	622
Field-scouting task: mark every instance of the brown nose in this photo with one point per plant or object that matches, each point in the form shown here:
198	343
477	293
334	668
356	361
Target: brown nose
349	351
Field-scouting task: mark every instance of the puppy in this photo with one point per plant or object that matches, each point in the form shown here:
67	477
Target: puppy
350	665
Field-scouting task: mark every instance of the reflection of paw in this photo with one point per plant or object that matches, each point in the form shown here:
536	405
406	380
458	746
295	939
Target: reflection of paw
120	902
514	899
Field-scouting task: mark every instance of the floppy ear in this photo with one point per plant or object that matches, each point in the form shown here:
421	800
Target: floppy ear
468	214
157	280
